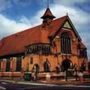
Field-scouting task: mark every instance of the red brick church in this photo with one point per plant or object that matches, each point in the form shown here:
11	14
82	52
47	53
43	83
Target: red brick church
54	42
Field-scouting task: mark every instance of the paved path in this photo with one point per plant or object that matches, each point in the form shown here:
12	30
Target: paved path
23	85
9	86
2	88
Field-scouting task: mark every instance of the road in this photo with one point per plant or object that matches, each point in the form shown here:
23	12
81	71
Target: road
36	86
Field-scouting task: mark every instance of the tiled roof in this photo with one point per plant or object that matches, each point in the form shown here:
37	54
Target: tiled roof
16	43
56	24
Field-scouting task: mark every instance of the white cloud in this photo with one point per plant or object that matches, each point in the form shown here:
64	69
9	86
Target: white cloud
25	20
8	26
75	14
68	2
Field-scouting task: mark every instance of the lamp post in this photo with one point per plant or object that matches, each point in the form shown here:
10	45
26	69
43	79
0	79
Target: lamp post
66	69
66	74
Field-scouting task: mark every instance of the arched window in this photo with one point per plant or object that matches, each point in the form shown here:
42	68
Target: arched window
19	63
7	64
65	43
0	64
47	66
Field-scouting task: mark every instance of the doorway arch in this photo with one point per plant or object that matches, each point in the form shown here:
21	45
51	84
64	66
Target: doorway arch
66	64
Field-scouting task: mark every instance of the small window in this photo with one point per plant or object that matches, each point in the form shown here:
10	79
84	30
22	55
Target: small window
19	63
31	60
47	65
0	64
8	65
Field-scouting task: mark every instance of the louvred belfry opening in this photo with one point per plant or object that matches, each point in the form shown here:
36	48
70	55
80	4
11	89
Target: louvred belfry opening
48	16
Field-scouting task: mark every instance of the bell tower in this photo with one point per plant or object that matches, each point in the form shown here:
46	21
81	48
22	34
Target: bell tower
48	16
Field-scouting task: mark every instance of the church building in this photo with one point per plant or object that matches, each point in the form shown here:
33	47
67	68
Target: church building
54	43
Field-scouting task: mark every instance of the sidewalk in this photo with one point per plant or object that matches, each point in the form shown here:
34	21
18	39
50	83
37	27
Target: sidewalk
49	82
63	82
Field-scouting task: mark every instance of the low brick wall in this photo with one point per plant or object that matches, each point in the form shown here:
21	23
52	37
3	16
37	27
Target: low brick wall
41	76
9	74
52	75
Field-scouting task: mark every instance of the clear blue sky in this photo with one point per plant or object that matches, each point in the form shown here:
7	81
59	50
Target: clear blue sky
17	15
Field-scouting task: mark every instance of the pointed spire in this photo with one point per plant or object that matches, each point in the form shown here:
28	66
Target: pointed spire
48	14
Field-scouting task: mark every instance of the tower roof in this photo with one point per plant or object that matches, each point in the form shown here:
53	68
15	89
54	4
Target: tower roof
48	14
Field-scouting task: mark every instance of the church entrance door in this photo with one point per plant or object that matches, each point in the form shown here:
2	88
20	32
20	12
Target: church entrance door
66	64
